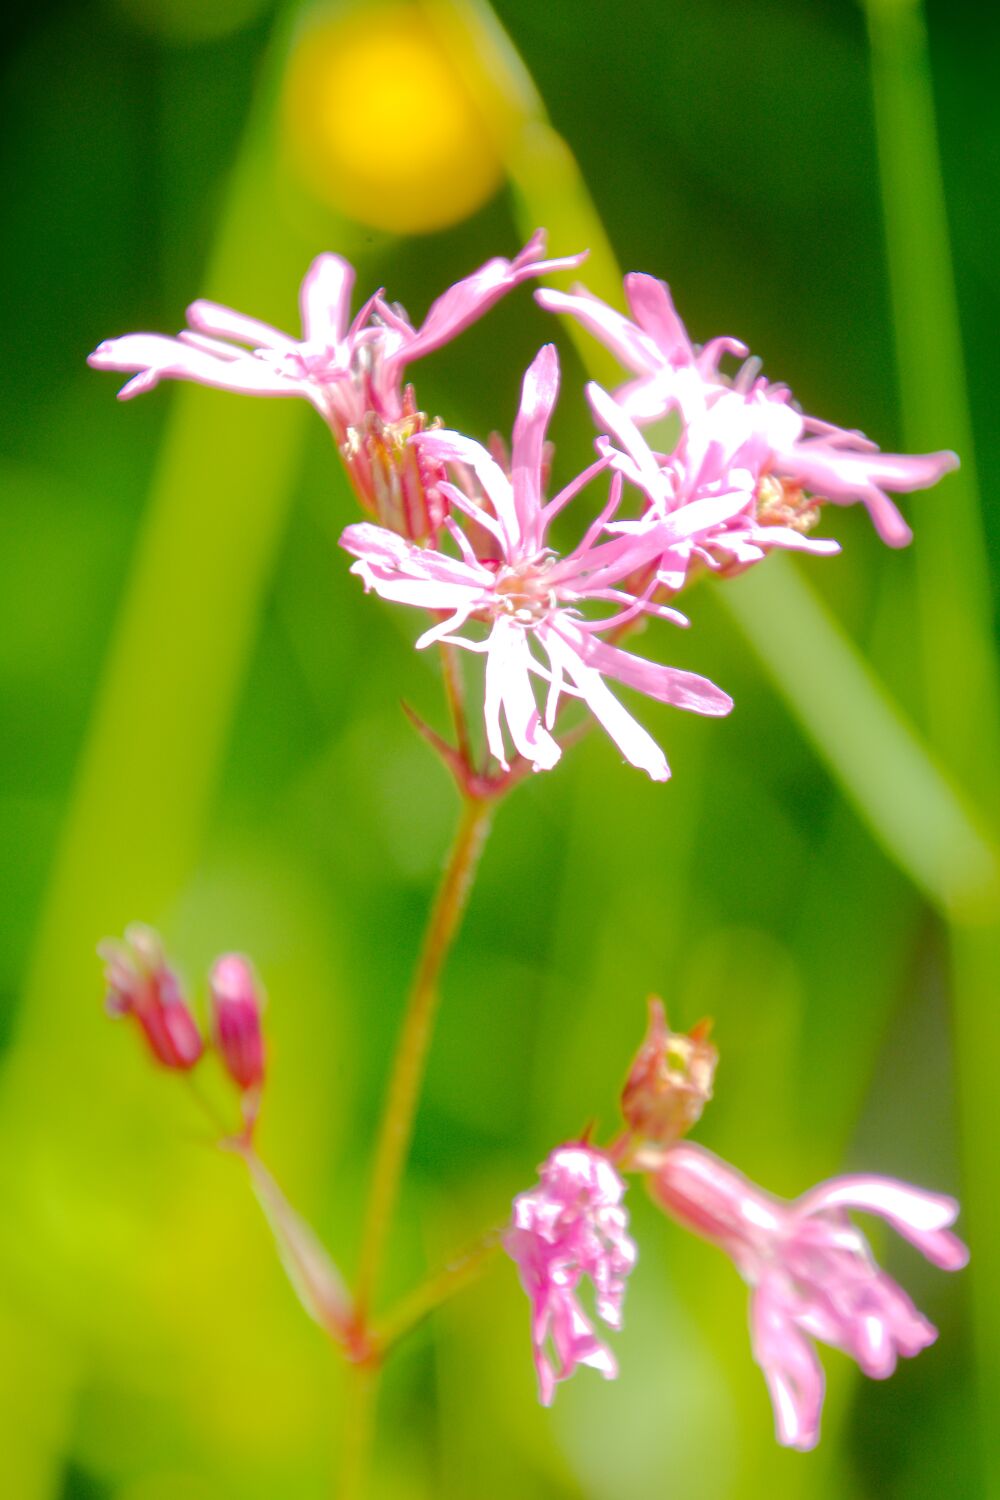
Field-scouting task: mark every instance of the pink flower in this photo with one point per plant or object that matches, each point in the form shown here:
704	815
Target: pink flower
572	1225
719	455
236	1025
792	450
141	984
351	370
810	1271
526	594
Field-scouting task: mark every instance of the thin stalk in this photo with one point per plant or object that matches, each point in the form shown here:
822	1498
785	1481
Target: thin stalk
436	1290
396	1126
359	1429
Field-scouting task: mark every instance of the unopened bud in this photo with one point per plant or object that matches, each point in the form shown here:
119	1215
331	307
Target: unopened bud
670	1081
141	984
236	1010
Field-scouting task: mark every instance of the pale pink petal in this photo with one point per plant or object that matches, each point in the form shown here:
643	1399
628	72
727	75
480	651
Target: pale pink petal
444	631
791	1368
156	358
610	416
635	743
475	511
325	299
508	687
470	298
570	491
224	322
652	307
843	476
398	570
921	1217
453	447
538	397
613	330
672	685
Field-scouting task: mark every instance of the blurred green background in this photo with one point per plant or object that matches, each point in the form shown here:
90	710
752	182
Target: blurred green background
202	731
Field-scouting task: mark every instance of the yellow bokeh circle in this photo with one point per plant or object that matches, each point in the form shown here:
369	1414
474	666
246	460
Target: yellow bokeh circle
380	124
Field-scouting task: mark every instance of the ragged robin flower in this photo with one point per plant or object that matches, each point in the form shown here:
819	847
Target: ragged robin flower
790	456
570	1227
529	597
811	1273
351	370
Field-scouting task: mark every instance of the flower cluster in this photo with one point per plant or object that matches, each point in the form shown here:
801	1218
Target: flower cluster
811	1272
463	533
695	469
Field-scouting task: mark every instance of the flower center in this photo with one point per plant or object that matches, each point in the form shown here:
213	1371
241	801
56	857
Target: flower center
781	502
523	591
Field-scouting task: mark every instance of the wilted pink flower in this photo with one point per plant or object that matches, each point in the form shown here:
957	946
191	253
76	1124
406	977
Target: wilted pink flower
141	984
236	1012
793	451
525	593
351	370
572	1225
811	1273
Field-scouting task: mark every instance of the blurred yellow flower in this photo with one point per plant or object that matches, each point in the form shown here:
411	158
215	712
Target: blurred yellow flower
380	124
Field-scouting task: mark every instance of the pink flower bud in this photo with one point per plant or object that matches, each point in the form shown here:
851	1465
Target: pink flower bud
670	1081
236	1010
141	984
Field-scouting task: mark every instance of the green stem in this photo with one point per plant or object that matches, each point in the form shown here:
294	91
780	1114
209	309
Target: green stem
396	1127
430	1294
359	1430
411	1051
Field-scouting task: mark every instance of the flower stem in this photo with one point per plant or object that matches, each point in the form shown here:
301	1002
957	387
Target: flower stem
411	1052
396	1126
359	1428
437	1289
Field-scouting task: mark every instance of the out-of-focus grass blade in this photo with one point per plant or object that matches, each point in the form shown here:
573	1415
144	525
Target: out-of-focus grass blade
953	582
959	661
907	801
